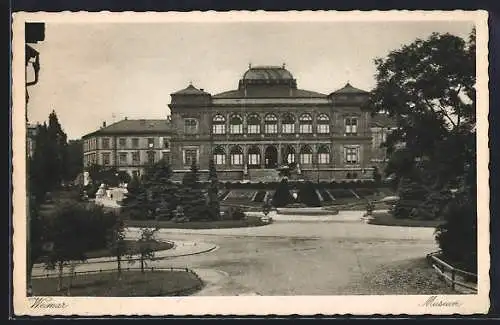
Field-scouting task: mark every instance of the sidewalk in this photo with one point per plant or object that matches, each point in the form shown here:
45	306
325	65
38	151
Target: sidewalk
342	216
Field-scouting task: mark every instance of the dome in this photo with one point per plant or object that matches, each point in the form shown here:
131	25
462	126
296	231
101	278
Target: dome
267	73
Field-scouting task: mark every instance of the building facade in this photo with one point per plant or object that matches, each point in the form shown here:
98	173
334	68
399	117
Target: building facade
251	132
128	145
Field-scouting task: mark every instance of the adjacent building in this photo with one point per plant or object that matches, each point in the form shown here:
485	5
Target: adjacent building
266	123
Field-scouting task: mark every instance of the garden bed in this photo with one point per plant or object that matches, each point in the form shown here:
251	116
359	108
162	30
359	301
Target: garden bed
387	219
131	284
249	221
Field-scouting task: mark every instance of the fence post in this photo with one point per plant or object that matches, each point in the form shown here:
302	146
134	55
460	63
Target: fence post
453	278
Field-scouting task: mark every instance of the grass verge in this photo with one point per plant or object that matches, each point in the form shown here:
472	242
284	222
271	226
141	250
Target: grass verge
131	284
132	248
249	221
387	219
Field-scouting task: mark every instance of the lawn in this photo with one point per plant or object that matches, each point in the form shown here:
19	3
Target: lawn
249	221
131	284
132	248
387	219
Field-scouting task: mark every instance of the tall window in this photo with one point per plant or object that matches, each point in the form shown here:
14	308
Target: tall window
165	155
122	158
305	123
305	155
253	156
151	157
236	124
351	155
236	154
219	156
151	142
136	158
166	143
219	124
323	155
190	126
288	124
270	124
105	143
253	122
351	126
135	142
122	142
190	156
106	158
323	124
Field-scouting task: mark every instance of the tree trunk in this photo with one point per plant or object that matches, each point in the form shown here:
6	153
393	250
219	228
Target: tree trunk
72	273
142	263
119	264
60	277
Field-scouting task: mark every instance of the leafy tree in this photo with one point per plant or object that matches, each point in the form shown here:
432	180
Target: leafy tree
117	244
308	195
146	246
74	160
282	197
193	200
213	191
69	242
428	87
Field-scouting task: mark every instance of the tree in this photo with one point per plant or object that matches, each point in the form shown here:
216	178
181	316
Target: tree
56	151
162	193
116	243
193	200
308	195
146	246
69	242
74	160
428	87
213	191
282	197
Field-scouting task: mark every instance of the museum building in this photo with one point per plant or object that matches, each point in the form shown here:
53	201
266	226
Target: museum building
263	126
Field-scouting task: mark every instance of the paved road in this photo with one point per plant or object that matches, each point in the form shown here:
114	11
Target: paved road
345	256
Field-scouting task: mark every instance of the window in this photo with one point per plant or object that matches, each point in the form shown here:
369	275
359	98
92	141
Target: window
253	122
236	154
289	154
190	156
253	156
219	124
351	155
323	155
236	124
151	142
288	124
135	158
323	124
305	123
151	157
135	142
190	126
105	143
351	126
122	142
219	156
166	156
166	143
106	158
122	158
306	155
270	124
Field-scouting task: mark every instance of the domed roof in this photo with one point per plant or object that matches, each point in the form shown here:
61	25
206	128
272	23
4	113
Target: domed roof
267	73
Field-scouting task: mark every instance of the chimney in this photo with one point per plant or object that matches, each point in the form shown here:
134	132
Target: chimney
104	124
202	89
126	118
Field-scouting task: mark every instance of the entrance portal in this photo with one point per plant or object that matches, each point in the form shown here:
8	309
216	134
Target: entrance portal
271	157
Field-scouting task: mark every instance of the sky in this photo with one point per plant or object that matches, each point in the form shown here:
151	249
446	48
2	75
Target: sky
95	72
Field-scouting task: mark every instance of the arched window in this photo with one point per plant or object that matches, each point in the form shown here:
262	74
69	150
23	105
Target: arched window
305	123
305	155
219	156
289	154
253	156
236	154
219	124
253	122
288	124
270	124
323	124
236	124
323	154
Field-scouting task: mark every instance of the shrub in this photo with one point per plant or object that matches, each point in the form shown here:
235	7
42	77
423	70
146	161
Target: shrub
282	196
235	213
308	195
411	195
260	196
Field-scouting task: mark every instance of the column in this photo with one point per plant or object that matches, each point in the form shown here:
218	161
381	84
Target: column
280	161
262	156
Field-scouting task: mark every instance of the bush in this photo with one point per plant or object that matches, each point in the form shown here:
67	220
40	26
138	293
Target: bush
308	196
411	195
260	196
282	196
235	213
